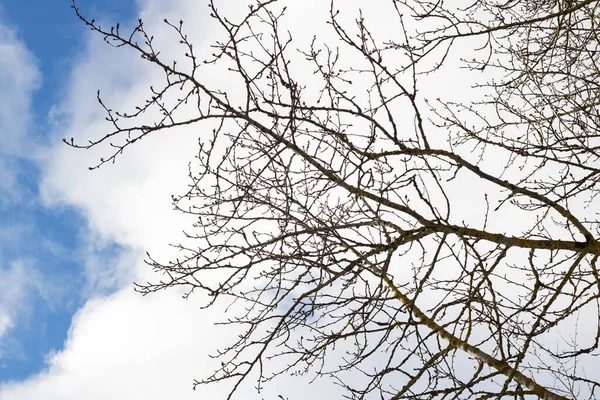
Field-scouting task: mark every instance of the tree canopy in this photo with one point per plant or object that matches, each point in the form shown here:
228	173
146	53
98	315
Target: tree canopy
407	206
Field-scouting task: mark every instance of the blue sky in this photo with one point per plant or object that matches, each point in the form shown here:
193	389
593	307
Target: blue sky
42	241
54	36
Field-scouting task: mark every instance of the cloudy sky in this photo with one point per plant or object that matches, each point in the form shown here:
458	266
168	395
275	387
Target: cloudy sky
72	241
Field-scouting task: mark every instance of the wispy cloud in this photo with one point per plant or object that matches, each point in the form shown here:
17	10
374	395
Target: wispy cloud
19	77
17	281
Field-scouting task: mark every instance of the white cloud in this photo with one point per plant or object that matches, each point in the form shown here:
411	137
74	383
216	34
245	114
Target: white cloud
17	280
124	346
19	77
127	347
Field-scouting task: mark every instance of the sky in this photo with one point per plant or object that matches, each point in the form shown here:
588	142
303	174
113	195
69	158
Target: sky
42	263
73	241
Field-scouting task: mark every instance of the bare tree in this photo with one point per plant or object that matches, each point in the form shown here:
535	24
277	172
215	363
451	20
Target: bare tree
342	209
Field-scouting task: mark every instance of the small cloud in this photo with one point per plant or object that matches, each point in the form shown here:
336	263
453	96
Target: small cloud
19	77
17	281
5	325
